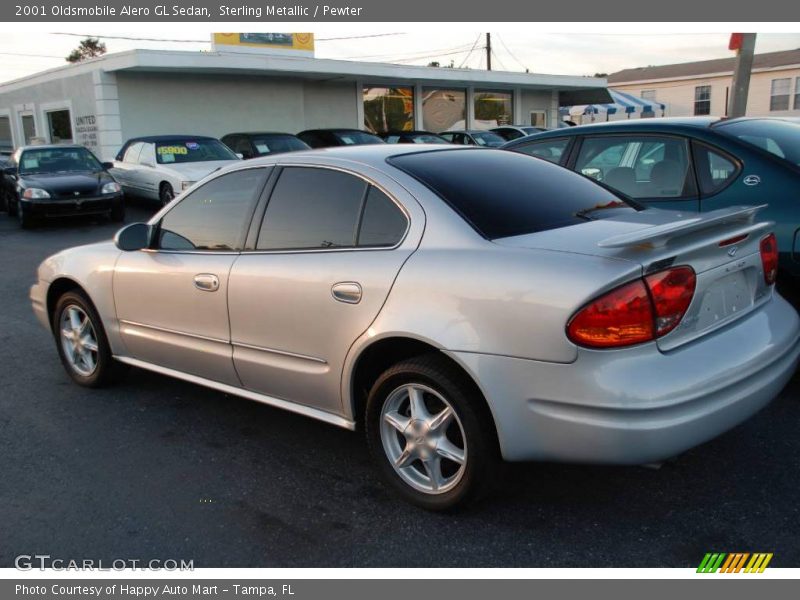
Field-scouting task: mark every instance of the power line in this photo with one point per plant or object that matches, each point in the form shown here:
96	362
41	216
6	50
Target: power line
477	39
145	39
497	58
31	55
511	54
463	47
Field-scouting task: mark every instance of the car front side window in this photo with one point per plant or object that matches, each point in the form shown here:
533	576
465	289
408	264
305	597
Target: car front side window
549	150
215	216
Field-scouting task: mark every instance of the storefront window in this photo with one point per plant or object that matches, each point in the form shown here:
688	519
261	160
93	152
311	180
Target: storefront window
60	126
492	109
388	109
443	109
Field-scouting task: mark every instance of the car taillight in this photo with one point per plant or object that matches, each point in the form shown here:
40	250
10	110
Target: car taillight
639	311
769	258
672	291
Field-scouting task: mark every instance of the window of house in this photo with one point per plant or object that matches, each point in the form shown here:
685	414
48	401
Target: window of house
779	94
648	94
6	140
702	100
797	94
59	124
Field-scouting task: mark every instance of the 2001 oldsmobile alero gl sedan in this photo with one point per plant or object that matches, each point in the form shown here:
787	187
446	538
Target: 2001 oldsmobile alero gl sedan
464	305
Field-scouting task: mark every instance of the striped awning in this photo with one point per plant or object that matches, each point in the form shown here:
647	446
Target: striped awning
623	103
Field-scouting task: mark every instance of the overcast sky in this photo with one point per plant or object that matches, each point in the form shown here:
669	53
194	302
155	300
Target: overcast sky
568	54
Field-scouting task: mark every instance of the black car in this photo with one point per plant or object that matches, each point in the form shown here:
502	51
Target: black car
251	145
413	137
325	138
53	181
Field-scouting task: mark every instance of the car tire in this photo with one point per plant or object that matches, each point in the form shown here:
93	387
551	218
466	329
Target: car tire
25	219
82	343
118	212
449	460
165	193
11	206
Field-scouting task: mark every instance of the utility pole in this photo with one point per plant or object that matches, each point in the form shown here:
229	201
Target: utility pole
744	44
488	51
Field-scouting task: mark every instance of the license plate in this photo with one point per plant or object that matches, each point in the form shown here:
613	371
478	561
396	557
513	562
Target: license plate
725	297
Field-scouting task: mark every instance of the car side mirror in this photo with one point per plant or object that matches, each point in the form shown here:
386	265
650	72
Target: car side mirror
10	170
108	165
135	236
240	155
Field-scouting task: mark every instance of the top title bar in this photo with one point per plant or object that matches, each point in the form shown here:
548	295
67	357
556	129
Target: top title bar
407	11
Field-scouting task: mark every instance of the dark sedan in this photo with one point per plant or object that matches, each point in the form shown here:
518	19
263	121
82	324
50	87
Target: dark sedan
693	164
253	145
54	181
326	138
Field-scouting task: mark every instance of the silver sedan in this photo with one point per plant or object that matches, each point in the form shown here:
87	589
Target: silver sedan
462	306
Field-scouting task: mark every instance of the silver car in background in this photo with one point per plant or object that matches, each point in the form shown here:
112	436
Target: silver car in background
461	305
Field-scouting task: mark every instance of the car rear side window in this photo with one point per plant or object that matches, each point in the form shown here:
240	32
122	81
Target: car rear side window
382	223
641	166
503	194
778	137
714	169
215	215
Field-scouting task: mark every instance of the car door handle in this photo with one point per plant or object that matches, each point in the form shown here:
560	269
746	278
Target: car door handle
347	291
206	282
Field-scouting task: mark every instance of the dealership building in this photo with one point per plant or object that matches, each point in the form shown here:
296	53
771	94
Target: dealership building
103	101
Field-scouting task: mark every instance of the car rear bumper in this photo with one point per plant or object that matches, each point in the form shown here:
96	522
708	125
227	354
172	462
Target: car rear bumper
639	405
68	207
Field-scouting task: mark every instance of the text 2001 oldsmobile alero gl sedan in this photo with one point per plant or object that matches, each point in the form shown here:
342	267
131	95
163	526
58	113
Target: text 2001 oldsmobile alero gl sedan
464	305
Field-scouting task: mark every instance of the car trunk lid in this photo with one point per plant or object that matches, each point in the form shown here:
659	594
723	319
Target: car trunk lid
722	246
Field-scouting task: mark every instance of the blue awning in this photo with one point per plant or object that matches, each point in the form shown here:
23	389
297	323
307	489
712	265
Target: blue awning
623	102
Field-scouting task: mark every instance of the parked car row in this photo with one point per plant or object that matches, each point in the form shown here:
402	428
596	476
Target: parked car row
160	167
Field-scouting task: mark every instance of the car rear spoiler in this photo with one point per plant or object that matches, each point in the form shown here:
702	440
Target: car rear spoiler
659	235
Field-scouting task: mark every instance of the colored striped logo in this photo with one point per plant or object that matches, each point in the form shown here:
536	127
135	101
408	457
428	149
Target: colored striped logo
720	562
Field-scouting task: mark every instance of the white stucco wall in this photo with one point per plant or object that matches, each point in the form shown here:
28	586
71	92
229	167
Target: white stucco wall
75	93
157	103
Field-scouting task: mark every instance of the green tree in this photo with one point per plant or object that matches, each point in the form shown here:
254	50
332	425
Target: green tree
88	48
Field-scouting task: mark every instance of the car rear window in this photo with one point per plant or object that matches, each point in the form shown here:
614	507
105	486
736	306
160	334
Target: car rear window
503	194
781	138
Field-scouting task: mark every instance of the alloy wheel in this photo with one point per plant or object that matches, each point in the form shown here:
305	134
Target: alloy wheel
78	340
423	438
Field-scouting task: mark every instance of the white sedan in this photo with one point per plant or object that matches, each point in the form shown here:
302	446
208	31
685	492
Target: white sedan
159	167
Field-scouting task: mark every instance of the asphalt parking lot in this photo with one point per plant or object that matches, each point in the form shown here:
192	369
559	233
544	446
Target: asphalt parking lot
158	469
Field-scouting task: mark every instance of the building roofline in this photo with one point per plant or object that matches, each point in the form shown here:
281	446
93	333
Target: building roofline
309	68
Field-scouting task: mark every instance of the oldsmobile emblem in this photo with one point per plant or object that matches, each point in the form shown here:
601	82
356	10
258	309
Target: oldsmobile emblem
732	251
752	180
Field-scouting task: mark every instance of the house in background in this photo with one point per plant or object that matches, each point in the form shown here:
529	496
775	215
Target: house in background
703	88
